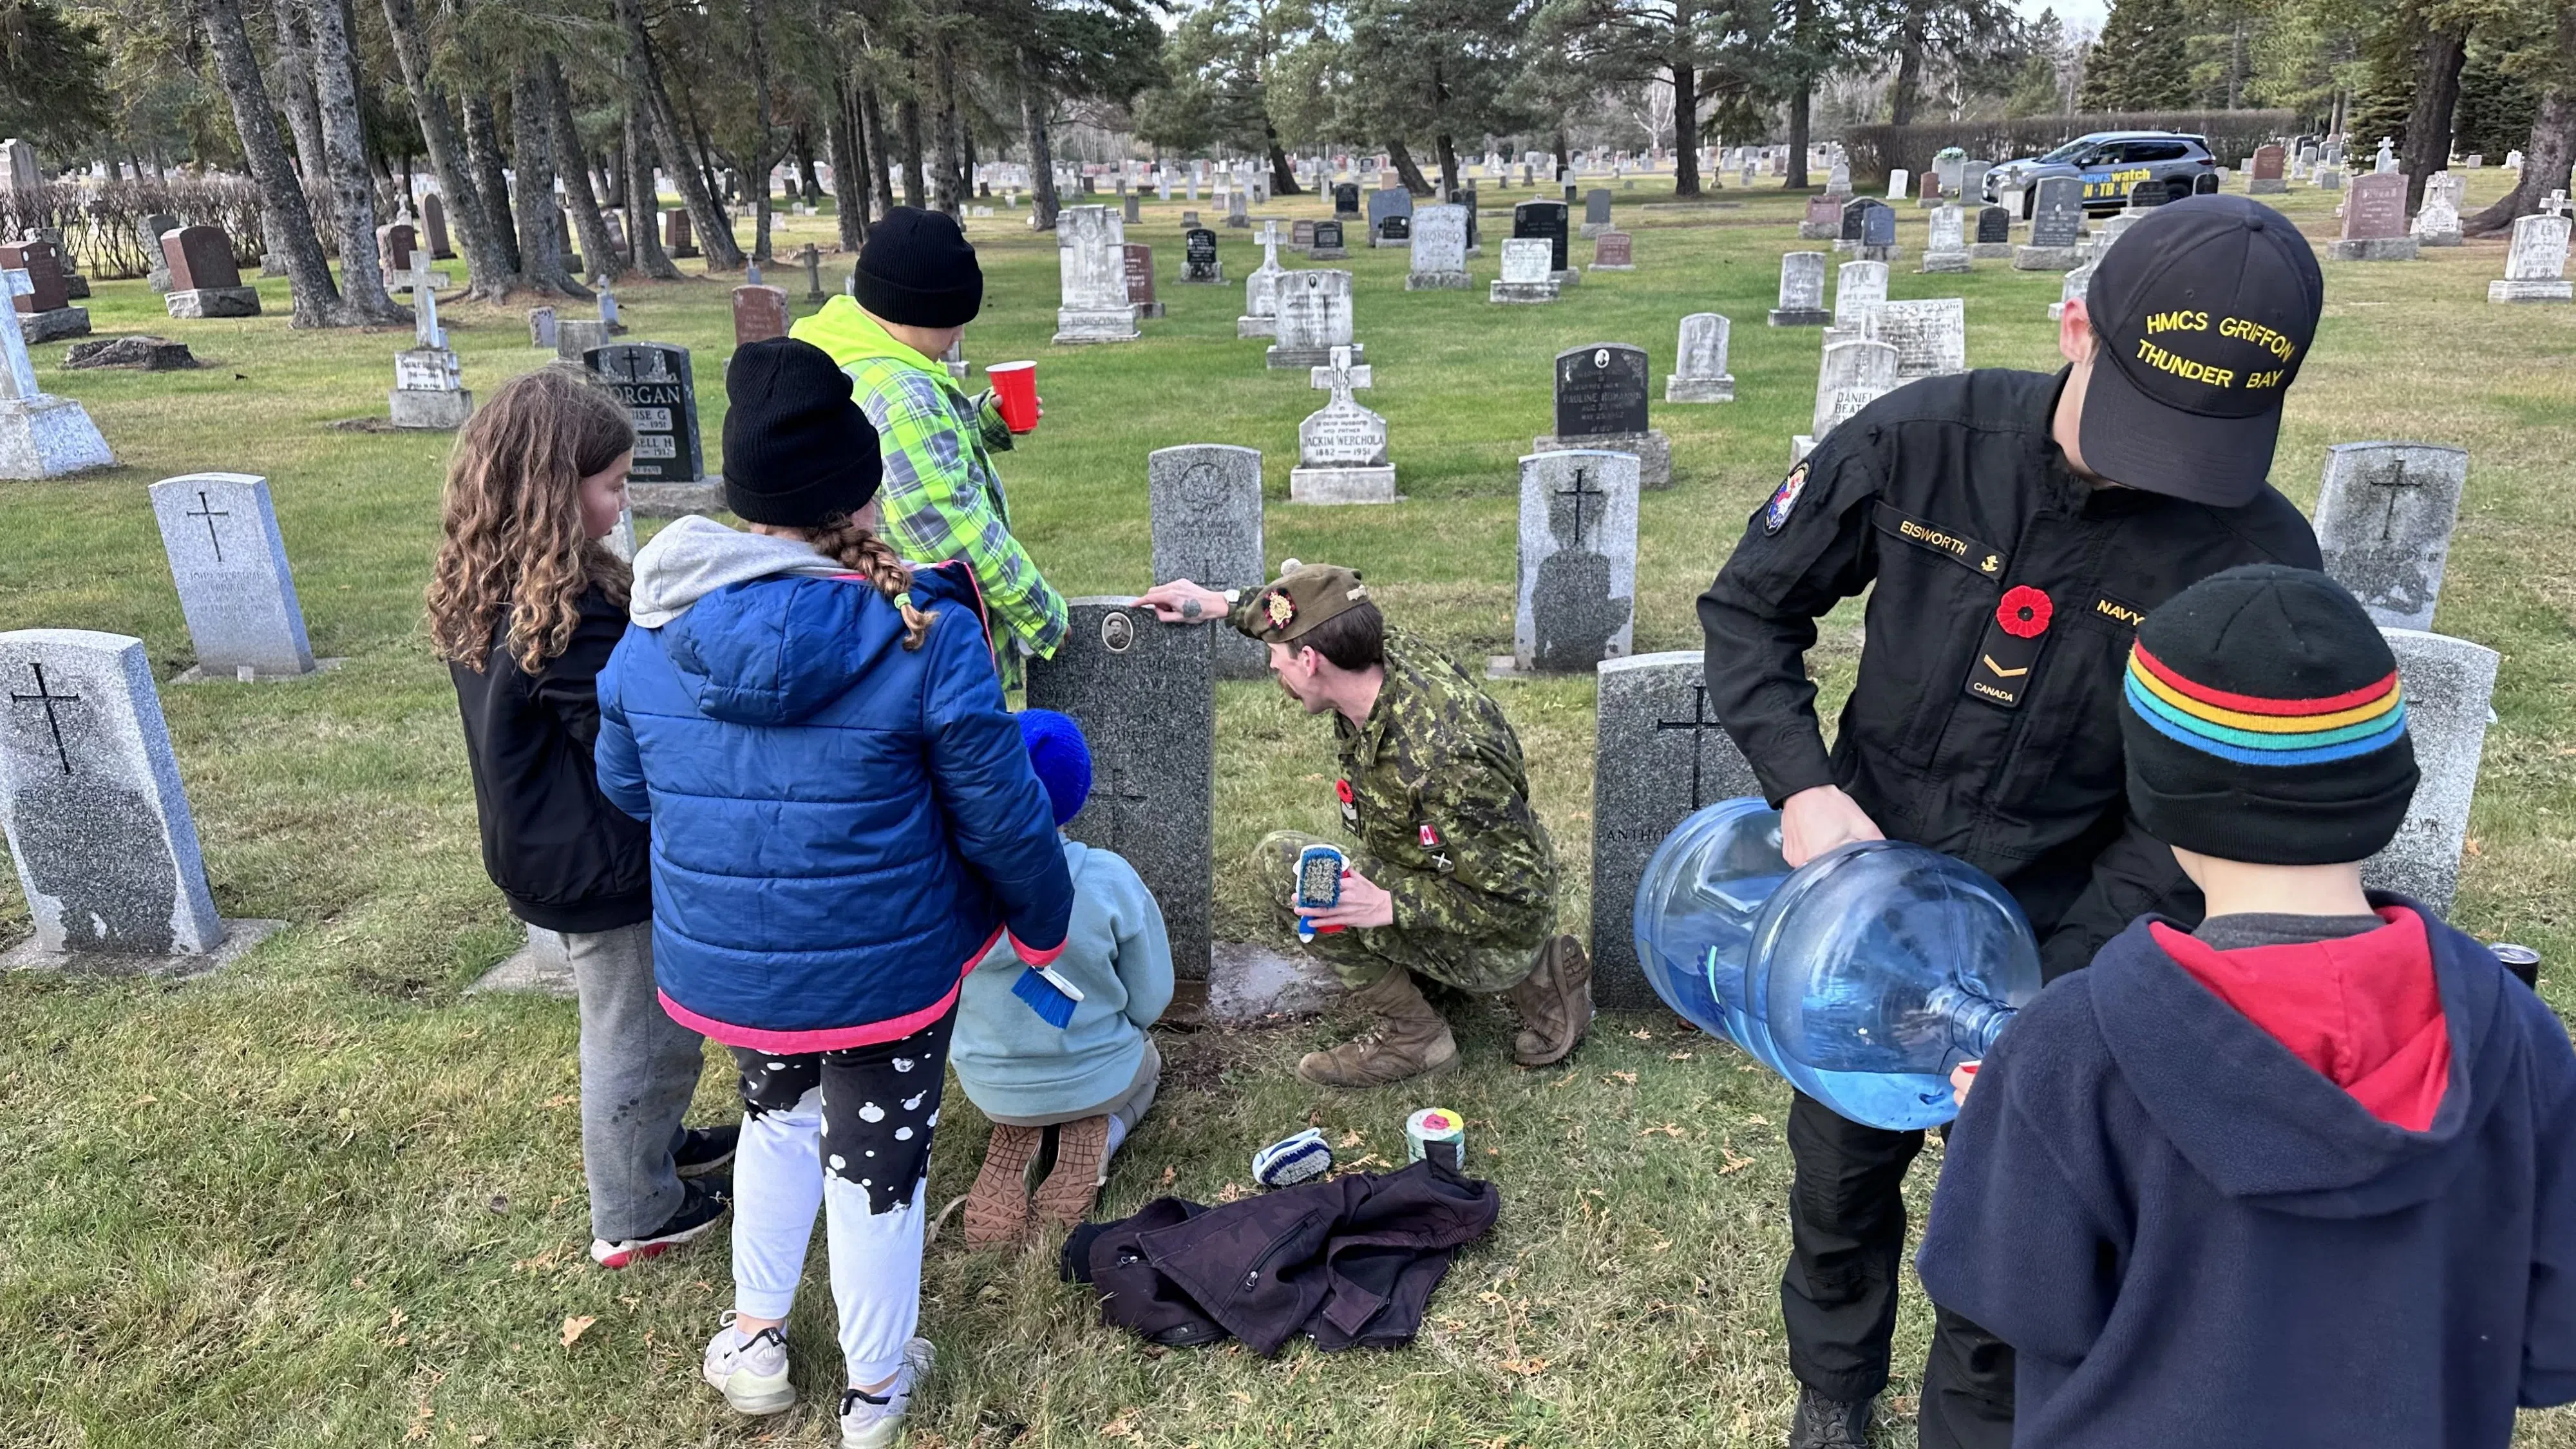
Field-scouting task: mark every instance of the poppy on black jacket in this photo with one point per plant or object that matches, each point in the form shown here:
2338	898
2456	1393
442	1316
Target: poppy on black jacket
565	858
1351	1261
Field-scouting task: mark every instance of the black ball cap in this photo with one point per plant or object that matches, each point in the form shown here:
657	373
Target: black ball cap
2205	309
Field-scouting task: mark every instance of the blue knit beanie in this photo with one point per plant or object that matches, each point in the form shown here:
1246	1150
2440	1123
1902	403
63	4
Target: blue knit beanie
1062	758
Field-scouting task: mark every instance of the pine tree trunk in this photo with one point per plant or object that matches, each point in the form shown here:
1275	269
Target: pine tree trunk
872	141
285	221
1405	171
715	229
907	125
293	71
2546	155
2427	146
942	104
1685	131
1283	173
353	191
1908	88
596	249
849	168
532	168
1033	114
483	145
643	197
1446	148
486	278
1801	103
809	186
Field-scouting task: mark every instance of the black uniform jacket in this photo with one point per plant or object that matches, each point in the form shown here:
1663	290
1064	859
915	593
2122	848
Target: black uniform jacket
566	858
1993	739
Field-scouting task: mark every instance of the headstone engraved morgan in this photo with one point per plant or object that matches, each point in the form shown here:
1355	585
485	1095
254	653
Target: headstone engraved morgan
2374	221
2535	269
1699	362
2056	225
653	379
1145	696
1802	292
41	435
1659	755
96	819
229	564
1206	508
1601	396
2448	685
204	280
1092	269
1341	447
1577	592
2384	519
1199	263
1314	318
1439	259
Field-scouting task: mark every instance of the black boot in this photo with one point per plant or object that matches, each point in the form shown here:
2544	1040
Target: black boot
1823	1423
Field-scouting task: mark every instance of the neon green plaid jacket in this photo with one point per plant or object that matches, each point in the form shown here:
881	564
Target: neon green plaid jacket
942	498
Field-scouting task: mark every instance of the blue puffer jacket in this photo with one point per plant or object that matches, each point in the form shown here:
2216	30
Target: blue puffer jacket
841	826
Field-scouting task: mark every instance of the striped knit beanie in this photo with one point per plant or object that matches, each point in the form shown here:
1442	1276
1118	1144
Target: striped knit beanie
2264	722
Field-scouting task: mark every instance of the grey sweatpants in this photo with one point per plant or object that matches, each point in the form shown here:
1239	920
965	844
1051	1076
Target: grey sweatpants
638	1070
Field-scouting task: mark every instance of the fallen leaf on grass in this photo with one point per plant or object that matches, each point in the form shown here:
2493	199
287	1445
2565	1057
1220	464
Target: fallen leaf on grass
1642	1034
1678	1057
1668	1130
1168	1174
2470	845
1759	1121
1350	1139
1561	1081
1122	1427
574	1328
1733	1164
1628	1077
148	1101
561	1101
1231	1192
1525	1367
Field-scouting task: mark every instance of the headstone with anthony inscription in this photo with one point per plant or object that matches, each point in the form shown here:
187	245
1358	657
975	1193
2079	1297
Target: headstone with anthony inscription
2449	689
2056	226
1341	447
1946	246
654	381
2384	518
204	281
229	564
1658	756
1205	501
1314	318
1700	374
1092	270
1601	396
1439	259
1576	598
2374	221
1802	292
2535	269
1145	696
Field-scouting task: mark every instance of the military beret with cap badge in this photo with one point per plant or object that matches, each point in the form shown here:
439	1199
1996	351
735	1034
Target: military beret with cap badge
1304	596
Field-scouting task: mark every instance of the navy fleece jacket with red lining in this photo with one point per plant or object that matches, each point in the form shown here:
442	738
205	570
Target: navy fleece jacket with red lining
2192	1236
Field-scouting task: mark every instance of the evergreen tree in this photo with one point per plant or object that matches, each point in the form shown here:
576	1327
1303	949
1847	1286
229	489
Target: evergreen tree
2497	102
2143	60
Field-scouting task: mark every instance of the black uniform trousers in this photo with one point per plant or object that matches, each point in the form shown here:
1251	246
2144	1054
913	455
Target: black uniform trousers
1838	1297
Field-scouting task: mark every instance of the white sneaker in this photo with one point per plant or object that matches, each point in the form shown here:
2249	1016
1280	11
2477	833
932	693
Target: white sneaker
751	1372
870	1421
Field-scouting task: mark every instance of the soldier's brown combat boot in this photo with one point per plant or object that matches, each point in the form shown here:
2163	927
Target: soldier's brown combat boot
1554	1003
1409	1039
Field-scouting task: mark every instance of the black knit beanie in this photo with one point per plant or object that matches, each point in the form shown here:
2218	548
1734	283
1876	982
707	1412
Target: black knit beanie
797	450
916	270
2264	722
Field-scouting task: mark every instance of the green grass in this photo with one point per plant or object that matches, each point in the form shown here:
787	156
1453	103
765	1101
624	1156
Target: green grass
323	1199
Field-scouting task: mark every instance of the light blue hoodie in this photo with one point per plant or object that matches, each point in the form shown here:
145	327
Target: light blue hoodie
1010	1061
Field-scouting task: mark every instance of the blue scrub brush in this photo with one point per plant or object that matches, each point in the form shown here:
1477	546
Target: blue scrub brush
1048	994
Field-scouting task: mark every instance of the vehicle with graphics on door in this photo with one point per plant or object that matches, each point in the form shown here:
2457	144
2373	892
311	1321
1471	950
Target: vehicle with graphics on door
2110	163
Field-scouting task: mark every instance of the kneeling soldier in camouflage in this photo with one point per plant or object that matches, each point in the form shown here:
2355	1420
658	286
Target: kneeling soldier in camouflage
1452	876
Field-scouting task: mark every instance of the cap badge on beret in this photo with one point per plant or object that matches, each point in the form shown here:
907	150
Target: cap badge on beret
1282	612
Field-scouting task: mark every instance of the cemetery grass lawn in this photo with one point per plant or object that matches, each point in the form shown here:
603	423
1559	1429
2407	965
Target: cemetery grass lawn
324	1199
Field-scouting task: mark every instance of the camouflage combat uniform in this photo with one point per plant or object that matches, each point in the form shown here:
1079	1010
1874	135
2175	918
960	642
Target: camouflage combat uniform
1434	790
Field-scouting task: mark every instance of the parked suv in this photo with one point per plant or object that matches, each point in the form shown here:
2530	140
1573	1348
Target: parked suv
2109	163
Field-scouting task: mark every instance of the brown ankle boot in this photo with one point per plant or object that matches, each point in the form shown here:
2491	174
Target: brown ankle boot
1064	1199
1409	1038
997	1208
1554	1003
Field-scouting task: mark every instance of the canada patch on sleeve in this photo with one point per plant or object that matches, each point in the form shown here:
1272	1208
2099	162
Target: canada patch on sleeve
1783	499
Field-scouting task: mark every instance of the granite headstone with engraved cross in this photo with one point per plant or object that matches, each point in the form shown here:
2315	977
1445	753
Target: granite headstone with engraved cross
1205	500
96	819
1658	756
1601	397
2056	226
1145	696
204	280
1341	447
654	381
1314	318
2374	221
41	435
1699	362
1261	289
1576	597
229	563
2384	518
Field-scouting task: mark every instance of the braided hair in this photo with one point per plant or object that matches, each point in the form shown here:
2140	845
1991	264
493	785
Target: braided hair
861	552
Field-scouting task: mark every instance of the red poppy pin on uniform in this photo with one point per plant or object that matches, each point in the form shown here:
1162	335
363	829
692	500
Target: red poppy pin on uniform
1350	806
2024	612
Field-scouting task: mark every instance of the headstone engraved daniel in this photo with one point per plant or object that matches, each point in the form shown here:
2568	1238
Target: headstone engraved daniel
1577	592
1206	506
1700	374
661	396
1601	394
2056	225
1439	260
1658	755
2384	519
2374	221
1314	318
204	279
1850	376
1341	447
94	813
229	564
2449	685
41	435
1145	696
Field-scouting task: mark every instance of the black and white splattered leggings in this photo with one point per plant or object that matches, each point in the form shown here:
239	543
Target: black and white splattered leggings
849	1130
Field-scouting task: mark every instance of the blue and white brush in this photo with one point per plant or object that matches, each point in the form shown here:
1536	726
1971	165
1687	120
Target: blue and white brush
1048	994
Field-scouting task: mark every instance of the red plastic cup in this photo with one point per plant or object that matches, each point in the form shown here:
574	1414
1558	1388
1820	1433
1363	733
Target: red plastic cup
1015	387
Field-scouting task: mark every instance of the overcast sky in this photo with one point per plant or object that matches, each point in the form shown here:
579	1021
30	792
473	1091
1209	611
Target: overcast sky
2078	14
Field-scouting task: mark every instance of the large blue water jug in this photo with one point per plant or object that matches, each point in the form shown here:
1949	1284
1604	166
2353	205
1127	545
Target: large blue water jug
1863	977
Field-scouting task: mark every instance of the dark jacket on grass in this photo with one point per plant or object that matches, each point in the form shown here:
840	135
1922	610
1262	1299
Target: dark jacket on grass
1351	1261
2191	1236
565	858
